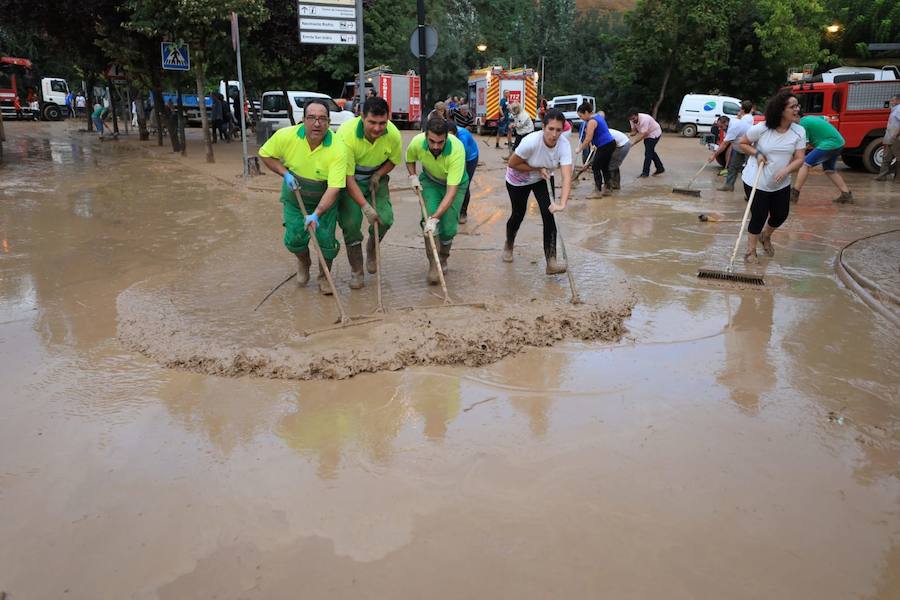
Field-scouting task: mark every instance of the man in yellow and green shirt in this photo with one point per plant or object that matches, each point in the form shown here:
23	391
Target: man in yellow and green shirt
373	147
443	184
310	160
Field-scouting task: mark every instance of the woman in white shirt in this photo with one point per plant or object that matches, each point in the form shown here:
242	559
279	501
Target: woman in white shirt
779	145
521	124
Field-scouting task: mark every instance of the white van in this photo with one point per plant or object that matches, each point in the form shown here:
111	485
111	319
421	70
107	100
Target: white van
699	111
569	106
274	110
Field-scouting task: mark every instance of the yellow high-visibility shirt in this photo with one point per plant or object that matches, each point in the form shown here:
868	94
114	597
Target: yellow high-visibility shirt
360	151
325	163
449	166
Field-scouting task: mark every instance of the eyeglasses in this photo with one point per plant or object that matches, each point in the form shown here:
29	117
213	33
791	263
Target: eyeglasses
317	120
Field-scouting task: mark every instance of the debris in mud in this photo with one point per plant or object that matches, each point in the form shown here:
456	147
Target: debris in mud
460	336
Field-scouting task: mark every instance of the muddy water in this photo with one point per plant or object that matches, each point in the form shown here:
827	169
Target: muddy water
738	443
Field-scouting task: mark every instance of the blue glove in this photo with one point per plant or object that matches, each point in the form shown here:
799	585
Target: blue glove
312	218
290	181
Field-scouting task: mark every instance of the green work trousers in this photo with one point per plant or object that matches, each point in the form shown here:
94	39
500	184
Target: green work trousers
350	215
296	236
433	193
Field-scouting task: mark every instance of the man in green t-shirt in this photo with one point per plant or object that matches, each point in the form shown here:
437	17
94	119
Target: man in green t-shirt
373	147
827	143
312	162
443	183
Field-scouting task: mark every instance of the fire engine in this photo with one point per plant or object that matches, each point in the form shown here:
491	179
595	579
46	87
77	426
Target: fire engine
16	77
402	93
858	109
486	87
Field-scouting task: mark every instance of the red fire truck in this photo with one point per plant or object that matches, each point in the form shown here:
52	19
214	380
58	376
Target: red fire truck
401	91
859	110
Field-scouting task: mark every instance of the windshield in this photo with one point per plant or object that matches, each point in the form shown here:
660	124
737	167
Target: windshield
301	101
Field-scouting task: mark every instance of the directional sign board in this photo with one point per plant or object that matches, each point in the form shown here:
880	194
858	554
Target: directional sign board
327	22
175	57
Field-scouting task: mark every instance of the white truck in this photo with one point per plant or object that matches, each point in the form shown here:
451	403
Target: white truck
17	78
698	112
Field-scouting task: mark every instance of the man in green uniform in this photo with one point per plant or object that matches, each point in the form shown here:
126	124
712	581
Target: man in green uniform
443	183
373	147
310	160
827	143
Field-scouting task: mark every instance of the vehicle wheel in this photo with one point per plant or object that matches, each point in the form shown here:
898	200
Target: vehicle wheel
689	130
873	156
52	112
854	161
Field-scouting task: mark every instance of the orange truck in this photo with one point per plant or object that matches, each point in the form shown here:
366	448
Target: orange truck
486	87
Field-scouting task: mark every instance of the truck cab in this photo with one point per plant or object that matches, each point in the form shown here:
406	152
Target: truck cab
17	76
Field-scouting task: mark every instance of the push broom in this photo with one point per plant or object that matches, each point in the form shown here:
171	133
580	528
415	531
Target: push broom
729	273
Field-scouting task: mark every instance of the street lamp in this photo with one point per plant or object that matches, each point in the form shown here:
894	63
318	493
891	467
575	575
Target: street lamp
481	47
833	28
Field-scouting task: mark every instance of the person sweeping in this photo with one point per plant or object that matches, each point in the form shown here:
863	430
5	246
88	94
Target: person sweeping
528	172
373	147
443	182
596	134
827	143
310	160
776	146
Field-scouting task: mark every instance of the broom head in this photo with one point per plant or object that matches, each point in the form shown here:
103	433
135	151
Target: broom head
686	192
748	278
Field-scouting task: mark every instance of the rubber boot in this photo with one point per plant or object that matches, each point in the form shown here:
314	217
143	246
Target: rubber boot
355	258
554	266
844	198
508	252
444	253
371	257
433	277
324	288
303	262
616	177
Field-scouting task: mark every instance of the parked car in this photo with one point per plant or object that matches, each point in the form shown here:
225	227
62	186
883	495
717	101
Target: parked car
698	112
274	109
569	106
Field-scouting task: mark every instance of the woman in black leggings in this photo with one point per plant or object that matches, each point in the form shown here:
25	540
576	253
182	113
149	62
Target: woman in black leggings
529	172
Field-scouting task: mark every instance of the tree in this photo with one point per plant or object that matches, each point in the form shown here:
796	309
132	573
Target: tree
198	22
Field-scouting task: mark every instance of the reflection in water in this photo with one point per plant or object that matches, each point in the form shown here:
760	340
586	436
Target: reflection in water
363	416
438	402
748	372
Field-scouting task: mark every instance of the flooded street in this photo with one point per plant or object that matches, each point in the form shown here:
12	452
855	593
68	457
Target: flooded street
672	438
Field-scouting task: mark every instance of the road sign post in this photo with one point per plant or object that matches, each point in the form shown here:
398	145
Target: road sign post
330	22
236	43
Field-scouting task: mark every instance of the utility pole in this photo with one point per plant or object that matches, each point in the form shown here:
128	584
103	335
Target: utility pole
420	9
360	39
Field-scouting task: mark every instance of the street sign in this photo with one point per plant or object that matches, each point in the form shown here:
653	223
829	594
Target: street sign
328	22
175	57
333	12
431	42
115	73
322	37
328	25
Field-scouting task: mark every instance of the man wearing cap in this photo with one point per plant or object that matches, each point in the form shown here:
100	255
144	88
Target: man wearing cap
443	183
373	147
310	160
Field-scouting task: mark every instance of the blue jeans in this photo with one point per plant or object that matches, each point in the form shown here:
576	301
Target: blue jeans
98	125
650	155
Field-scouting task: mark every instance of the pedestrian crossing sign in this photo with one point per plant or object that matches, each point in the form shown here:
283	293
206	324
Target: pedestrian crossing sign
175	57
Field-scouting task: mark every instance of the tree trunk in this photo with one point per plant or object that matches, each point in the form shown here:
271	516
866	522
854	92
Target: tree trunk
157	104
287	102
89	103
201	100
665	84
139	111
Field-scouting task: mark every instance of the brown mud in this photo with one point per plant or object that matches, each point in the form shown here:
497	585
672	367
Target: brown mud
734	443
